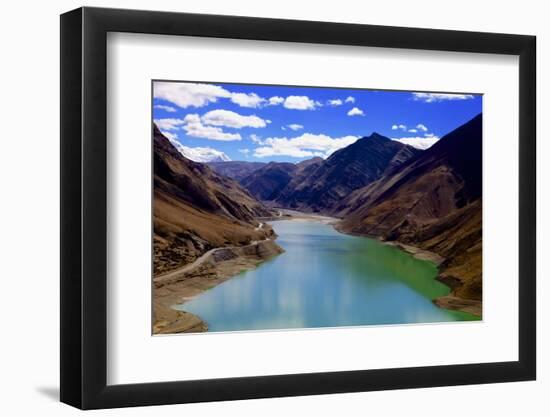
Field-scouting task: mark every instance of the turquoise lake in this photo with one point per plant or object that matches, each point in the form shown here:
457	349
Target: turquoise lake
325	279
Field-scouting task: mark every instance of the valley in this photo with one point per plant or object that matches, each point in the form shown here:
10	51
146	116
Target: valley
219	220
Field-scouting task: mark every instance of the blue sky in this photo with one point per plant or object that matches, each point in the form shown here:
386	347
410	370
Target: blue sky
209	121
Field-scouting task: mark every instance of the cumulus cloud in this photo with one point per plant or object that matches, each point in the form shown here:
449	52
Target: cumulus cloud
300	103
350	99
421	127
209	125
194	127
169	109
275	101
199	95
247	100
356	112
189	94
256	139
169	124
335	102
306	145
197	154
419	142
436	97
295	126
399	127
229	118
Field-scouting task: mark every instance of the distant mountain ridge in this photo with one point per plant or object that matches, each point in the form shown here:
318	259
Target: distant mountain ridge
318	185
348	169
267	182
235	169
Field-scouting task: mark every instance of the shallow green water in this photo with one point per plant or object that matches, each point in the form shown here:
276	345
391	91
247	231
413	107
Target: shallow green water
326	279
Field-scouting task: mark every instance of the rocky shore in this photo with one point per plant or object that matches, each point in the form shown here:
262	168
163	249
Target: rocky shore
211	269
451	301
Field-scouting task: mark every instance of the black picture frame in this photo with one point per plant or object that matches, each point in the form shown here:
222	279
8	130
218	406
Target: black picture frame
84	207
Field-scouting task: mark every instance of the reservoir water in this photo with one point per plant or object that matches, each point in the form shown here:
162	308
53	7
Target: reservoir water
326	279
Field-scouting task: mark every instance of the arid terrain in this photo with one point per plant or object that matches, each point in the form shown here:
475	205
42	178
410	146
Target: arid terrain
209	219
196	211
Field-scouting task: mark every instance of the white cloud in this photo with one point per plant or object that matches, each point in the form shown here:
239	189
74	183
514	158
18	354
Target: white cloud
436	97
356	112
189	94
169	124
193	127
169	109
335	102
256	139
300	103
421	127
209	125
418	142
245	151
413	131
192	118
295	126
229	118
275	101
247	100
306	145
199	95
399	127
350	99
429	135
196	154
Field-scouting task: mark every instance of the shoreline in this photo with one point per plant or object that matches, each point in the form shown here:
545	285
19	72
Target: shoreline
209	270
416	252
449	301
212	268
221	264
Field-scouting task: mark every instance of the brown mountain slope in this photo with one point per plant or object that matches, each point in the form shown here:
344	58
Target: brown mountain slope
267	182
348	169
196	209
433	202
303	171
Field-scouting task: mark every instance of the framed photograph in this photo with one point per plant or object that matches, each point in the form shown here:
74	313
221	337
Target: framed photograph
257	208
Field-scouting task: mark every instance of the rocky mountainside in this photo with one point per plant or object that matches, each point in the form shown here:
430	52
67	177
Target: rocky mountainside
267	182
432	202
348	169
303	171
236	169
196	209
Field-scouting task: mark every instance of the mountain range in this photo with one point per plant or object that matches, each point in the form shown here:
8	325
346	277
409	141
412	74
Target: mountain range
318	185
427	199
434	202
235	169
